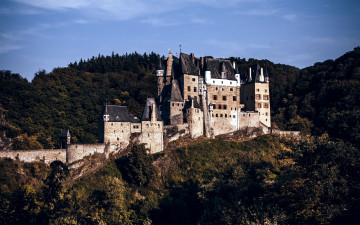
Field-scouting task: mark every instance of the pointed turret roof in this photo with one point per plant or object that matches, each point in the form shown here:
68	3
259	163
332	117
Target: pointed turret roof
175	92
148	110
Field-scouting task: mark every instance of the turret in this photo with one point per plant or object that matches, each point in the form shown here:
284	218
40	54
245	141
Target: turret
160	69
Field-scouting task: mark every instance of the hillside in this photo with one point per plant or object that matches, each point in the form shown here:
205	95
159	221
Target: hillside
264	180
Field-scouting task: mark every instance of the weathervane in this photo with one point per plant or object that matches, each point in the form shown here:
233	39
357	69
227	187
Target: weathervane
180	48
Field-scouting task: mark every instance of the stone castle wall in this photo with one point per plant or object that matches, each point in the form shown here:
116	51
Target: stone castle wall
46	155
78	151
117	134
152	135
249	119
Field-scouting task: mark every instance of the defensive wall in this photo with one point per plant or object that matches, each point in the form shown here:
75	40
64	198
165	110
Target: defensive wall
45	155
76	152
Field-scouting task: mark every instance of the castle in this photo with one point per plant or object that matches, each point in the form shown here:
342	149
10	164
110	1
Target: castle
196	97
199	97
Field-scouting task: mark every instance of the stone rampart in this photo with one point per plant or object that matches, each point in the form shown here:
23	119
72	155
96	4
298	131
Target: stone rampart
78	151
45	155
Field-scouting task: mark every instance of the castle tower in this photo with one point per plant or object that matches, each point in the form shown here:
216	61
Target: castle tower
152	127
164	79
256	94
195	119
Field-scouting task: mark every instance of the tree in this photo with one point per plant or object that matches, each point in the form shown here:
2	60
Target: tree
139	168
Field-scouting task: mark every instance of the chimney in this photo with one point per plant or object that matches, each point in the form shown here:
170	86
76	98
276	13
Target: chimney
169	64
250	74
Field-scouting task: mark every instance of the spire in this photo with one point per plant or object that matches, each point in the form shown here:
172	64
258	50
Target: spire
153	112
160	67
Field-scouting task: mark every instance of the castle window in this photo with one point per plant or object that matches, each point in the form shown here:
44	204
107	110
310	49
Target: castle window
224	106
112	124
216	115
235	108
265	90
220	115
219	106
173	104
222	89
225	115
258	97
214	106
158	125
147	125
213	82
188	88
234	98
233	116
222	82
244	115
257	90
230	82
182	104
178	104
266	97
194	89
266	114
148	135
216	88
215	97
231	89
212	115
118	138
193	79
224	98
266	105
259	105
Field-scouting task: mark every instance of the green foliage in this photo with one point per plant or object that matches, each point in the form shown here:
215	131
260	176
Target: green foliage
139	169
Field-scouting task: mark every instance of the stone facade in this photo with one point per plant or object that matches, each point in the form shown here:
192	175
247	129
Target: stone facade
226	102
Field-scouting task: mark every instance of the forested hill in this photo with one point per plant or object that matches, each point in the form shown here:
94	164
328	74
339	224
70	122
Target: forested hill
323	98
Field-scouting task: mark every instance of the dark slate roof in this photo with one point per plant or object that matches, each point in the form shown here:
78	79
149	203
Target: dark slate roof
64	133
175	92
255	74
216	66
187	65
196	103
146	116
160	64
119	113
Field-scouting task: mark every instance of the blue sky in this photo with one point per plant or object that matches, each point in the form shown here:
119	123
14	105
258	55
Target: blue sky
43	34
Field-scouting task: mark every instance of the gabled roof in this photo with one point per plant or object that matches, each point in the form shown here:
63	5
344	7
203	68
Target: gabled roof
175	92
119	113
146	116
217	66
188	65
